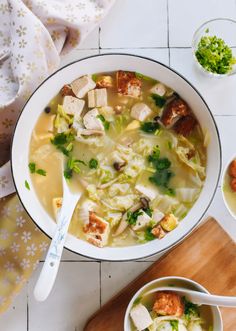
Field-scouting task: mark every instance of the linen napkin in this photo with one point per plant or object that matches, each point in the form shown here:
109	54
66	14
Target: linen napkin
33	35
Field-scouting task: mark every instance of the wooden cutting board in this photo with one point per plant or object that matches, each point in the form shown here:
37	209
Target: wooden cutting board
207	256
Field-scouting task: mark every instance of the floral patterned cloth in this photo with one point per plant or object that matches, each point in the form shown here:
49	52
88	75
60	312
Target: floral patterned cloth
33	35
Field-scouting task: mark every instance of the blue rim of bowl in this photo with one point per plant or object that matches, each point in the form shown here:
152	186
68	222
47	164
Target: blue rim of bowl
209	73
213	119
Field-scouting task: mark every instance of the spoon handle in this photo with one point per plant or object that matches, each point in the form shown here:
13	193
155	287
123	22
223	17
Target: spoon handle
50	267
199	297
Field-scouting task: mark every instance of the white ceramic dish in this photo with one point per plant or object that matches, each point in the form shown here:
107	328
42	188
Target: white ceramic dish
102	63
183	282
222	187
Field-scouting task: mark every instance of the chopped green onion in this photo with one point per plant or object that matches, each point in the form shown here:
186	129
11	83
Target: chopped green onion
93	164
159	101
148	234
41	172
32	167
105	123
27	185
150	127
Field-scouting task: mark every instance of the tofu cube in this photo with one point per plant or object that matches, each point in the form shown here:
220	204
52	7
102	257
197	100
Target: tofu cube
97	98
140	317
56	204
158	89
91	120
82	85
157	216
168	303
72	105
104	81
97	230
128	84
140	111
133	125
143	221
149	192
169	222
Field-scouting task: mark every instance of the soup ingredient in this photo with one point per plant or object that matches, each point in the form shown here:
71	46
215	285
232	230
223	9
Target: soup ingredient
233	184
93	164
143	220
159	100
169	222
97	98
168	303
158	89
150	127
104	81
97	230
82	86
47	109
73	106
140	317
27	185
119	165
140	111
175	325
105	123
128	84
66	90
232	169
215	55
190	309
132	217
92	121
72	165
158	232
173	110
34	170
185	125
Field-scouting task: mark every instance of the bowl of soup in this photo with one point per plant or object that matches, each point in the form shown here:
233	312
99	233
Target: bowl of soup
140	141
229	186
167	310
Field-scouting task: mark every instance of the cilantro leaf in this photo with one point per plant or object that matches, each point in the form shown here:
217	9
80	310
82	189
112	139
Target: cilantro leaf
27	185
62	138
93	164
161	163
190	309
159	101
148	236
32	167
41	172
133	216
150	127
161	178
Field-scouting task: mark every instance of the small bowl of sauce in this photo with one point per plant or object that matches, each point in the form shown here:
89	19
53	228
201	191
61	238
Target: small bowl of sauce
229	186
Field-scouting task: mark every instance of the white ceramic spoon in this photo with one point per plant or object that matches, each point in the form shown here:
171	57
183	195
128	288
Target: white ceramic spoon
199	298
48	273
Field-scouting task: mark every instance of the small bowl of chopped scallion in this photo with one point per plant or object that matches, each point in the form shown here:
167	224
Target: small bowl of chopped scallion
214	47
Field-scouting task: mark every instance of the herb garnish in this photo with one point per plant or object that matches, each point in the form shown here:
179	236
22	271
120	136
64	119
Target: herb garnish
175	325
33	170
163	174
215	55
159	101
133	216
148	234
27	185
150	127
93	164
105	123
190	309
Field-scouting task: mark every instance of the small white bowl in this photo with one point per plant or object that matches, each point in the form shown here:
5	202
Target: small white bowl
183	282
232	213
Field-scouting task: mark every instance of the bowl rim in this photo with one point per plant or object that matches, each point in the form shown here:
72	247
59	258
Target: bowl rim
233	157
209	73
200	287
173	244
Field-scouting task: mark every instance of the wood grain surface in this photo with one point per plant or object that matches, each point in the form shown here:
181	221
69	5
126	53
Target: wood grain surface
207	256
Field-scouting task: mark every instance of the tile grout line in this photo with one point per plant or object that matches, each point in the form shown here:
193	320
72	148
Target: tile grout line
168	30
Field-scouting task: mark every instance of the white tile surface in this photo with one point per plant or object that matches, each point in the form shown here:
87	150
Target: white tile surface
158	54
15	319
135	23
116	275
218	93
138	27
74	297
185	17
77	54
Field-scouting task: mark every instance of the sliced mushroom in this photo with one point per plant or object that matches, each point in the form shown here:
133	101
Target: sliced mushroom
123	223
